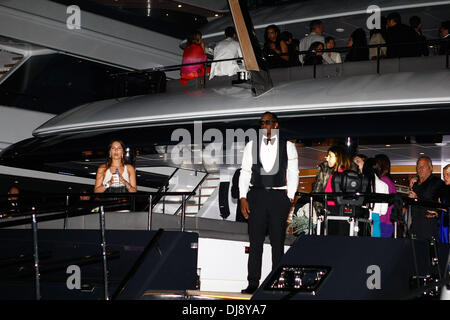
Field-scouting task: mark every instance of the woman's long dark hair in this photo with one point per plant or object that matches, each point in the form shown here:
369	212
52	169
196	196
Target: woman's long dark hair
370	170
312	57
359	50
108	157
194	37
343	161
384	165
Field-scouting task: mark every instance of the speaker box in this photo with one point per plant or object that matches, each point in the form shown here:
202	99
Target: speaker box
136	261
355	268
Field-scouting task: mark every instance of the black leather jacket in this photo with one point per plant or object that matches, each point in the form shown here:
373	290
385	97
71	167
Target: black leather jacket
323	174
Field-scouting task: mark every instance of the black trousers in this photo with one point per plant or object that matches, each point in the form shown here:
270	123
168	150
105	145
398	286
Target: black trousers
269	210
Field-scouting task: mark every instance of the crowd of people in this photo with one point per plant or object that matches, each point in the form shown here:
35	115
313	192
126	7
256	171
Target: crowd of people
420	222
281	49
400	40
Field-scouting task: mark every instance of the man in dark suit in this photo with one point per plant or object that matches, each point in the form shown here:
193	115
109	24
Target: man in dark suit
398	33
267	186
424	221
416	24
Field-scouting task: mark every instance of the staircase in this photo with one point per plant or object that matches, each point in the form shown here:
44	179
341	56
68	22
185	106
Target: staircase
8	61
185	180
203	193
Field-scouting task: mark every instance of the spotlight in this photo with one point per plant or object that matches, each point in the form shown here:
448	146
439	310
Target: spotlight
298	278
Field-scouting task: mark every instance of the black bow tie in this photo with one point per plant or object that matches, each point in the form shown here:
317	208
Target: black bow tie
271	140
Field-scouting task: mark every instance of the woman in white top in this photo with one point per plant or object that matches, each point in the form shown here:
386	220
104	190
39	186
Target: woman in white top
330	44
372	171
115	175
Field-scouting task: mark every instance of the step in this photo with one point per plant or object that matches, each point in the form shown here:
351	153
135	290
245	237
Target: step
193	205
9	65
197	294
218	295
17	58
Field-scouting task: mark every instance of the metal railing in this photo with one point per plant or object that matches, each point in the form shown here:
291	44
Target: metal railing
34	213
206	63
399	200
185	200
379	57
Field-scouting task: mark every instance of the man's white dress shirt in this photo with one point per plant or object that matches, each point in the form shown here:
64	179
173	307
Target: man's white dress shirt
226	49
268	154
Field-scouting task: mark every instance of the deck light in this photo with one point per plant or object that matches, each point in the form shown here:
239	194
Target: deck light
298	278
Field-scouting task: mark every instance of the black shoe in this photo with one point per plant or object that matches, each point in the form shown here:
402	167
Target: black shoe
249	290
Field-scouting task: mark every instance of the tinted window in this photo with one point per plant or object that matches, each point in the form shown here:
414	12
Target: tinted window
56	83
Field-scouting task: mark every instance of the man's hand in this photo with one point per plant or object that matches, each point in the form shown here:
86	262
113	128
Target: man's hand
245	209
432	214
412	181
412	194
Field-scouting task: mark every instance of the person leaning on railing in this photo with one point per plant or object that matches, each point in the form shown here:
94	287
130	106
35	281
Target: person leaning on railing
228	48
338	160
275	49
115	175
193	52
359	50
384	167
372	171
314	57
444	198
330	43
424	221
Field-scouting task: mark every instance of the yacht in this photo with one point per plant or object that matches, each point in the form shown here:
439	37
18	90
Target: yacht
387	106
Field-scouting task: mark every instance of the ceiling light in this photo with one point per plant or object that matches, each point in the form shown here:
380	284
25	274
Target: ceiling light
216	15
179	6
388	145
421	152
340	30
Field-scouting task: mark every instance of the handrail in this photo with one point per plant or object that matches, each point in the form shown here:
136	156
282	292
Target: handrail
336	49
369	198
49	213
375	197
174	67
160	190
67	213
193	193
